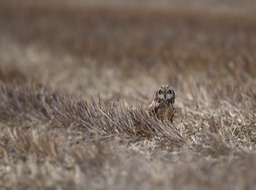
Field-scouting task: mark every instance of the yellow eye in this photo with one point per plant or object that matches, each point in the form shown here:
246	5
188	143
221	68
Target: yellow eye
169	92
161	92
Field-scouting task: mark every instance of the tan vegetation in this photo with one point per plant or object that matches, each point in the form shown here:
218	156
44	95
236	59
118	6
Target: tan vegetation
75	80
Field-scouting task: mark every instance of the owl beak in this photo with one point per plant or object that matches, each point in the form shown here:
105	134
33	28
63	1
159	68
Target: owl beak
164	96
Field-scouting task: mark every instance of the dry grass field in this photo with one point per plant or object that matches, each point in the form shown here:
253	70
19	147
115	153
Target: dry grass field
75	78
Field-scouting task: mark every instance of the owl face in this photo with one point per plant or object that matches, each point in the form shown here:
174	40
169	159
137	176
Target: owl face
165	93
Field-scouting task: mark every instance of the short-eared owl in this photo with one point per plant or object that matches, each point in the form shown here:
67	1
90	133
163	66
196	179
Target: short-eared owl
162	104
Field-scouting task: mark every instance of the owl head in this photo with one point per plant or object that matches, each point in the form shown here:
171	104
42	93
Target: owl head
166	93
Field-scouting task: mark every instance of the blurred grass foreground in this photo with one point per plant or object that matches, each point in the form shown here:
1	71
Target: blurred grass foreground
76	76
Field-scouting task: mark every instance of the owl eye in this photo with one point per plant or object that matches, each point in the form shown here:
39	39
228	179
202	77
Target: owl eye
161	92
169	92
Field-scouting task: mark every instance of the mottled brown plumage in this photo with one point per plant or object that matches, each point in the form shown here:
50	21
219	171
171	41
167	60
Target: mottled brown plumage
162	105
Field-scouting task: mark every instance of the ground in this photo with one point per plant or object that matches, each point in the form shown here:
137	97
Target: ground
76	76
